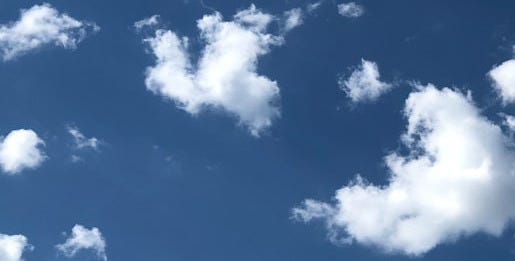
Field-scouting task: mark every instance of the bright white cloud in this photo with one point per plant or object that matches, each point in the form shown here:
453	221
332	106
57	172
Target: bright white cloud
150	21
12	247
225	76
84	239
80	141
364	84
351	9
503	77
293	18
20	150
40	26
457	180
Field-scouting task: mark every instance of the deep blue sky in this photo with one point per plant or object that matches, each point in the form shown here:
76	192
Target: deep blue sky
169	186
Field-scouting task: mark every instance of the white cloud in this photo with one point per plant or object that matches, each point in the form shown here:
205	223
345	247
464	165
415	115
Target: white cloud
351	9
84	239
40	26
225	76
150	21
12	247
503	77
509	121
80	141
314	6
20	150
293	18
457	180
364	84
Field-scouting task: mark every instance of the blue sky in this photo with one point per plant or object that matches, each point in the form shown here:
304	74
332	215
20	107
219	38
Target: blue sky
278	130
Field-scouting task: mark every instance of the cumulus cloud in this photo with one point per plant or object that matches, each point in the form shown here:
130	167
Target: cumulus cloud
225	76
351	10
150	21
503	77
82	142
84	239
364	84
293	18
12	247
19	150
457	179
41	26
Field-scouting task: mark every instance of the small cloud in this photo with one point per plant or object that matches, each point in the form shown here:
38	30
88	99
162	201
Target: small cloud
292	18
509	121
147	22
80	141
503	79
19	150
76	158
364	84
84	239
314	6
351	10
41	26
12	247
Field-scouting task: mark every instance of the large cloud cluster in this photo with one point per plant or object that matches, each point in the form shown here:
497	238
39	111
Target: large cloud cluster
457	179
225	76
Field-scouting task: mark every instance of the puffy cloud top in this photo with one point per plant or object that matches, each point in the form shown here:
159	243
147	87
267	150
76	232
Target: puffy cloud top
20	150
503	77
12	247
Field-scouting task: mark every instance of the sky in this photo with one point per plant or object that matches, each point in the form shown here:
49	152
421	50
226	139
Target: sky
257	130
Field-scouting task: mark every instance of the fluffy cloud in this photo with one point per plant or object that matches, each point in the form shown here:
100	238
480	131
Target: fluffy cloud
84	239
20	150
503	77
225	76
351	10
12	247
40	26
364	83
80	141
458	179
